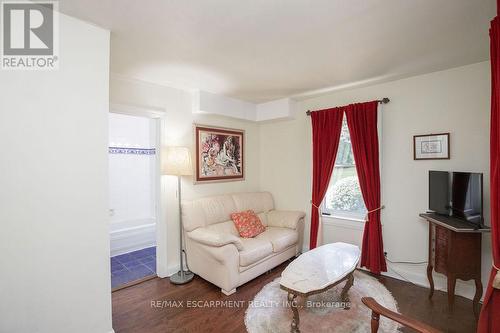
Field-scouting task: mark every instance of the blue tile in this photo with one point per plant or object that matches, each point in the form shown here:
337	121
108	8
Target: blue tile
151	266
128	275
147	259
132	264
139	272
116	267
150	250
114	260
119	272
140	254
124	258
119	280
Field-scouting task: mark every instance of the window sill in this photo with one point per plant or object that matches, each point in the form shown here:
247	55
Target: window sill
344	218
330	221
343	221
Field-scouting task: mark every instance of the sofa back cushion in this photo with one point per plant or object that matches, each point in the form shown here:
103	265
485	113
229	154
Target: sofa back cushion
259	202
208	211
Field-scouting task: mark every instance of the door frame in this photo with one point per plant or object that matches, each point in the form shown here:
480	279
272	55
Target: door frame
159	115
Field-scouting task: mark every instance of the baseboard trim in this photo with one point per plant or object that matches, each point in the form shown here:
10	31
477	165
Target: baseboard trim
171	270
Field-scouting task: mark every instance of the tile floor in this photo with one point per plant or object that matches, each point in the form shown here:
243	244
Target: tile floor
132	266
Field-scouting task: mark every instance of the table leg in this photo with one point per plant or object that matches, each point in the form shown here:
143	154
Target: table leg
431	280
345	291
295	321
431	254
452	280
477	296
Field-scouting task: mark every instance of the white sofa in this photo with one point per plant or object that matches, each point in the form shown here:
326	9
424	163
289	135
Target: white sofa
217	253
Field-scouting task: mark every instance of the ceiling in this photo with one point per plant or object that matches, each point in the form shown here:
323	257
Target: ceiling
262	50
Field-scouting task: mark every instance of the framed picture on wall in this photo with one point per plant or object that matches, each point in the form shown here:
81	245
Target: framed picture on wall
219	154
431	146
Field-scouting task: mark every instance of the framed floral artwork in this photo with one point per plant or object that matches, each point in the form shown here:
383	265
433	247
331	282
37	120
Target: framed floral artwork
219	154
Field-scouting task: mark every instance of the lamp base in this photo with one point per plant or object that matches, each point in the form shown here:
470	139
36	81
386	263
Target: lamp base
182	277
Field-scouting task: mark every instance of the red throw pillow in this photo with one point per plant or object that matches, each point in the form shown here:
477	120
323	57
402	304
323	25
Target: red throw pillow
248	224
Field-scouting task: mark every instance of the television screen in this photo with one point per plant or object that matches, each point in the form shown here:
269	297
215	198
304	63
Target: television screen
439	192
467	196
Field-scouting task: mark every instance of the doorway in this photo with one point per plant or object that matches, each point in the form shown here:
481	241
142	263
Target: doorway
134	193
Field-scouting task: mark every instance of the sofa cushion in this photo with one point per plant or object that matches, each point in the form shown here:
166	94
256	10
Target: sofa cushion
224	227
284	218
254	250
263	218
257	201
218	208
280	238
248	224
206	211
193	215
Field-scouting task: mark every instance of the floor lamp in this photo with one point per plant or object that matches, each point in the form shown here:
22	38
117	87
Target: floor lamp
178	163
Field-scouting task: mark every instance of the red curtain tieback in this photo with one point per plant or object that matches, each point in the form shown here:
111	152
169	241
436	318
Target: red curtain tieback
373	210
314	205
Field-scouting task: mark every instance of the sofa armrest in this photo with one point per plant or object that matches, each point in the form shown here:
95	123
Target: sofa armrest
215	239
284	218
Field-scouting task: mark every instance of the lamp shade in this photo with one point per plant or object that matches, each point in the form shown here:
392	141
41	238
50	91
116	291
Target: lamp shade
177	162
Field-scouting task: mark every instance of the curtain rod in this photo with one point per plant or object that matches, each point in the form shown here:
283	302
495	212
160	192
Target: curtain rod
384	100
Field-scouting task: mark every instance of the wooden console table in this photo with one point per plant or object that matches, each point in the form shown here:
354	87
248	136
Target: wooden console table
455	251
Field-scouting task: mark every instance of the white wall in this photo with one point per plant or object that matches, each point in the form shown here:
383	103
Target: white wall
55	274
208	103
284	108
455	101
178	130
131	176
132	187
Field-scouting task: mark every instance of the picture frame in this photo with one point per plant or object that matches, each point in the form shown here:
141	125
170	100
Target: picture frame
431	146
219	154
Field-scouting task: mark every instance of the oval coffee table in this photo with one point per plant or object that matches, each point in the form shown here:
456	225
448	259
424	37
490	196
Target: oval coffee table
318	270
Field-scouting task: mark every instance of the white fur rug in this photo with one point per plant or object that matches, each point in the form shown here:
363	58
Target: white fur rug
269	311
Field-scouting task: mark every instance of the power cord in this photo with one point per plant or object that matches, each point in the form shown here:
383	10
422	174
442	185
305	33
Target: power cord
404	262
407	262
401	276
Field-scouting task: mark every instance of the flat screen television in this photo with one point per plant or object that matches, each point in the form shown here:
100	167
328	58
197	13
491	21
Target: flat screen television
457	194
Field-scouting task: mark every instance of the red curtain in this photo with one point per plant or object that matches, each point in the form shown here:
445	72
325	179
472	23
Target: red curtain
326	128
362	123
489	320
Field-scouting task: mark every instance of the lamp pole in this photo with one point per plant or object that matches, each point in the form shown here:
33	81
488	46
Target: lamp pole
182	276
177	162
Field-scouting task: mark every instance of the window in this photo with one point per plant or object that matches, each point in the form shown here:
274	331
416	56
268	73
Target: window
343	197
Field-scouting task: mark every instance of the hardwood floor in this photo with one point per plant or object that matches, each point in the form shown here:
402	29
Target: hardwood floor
136	310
